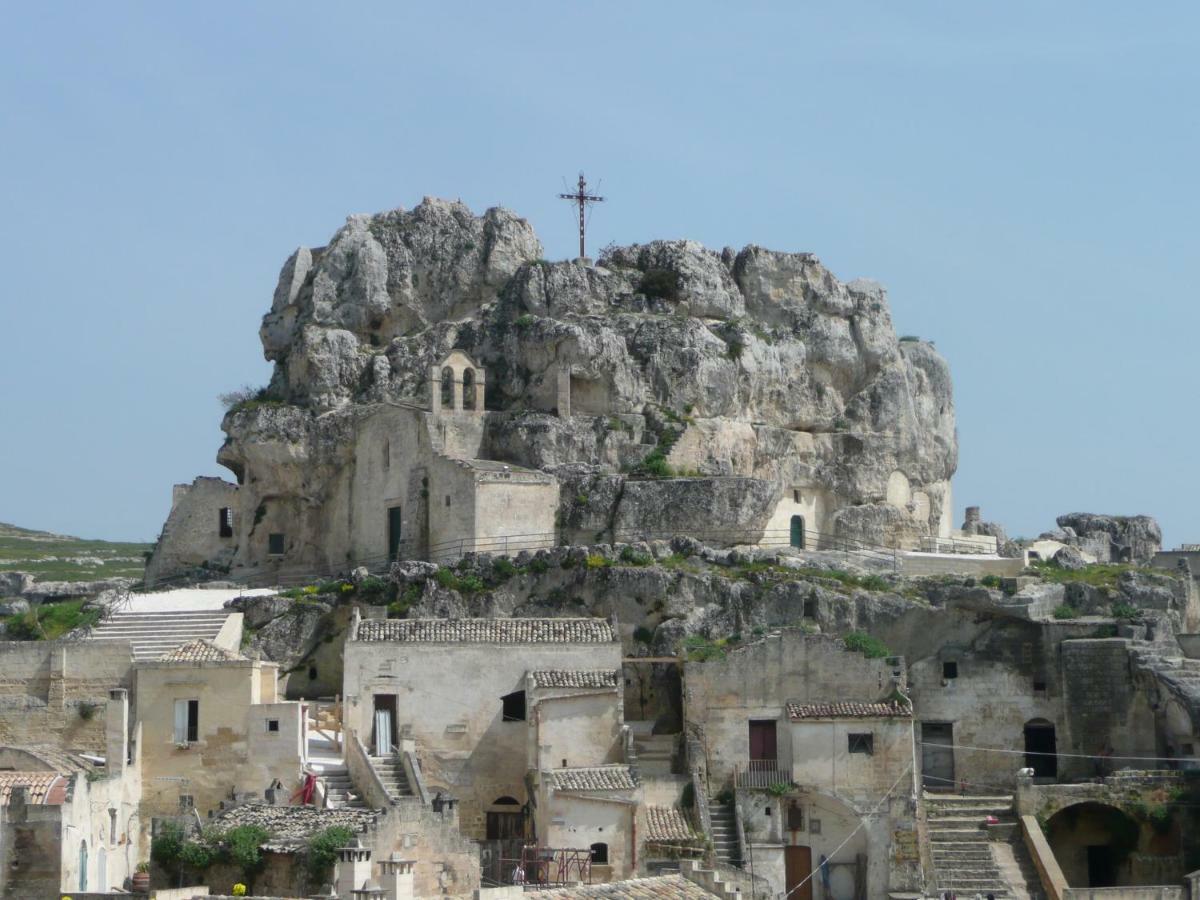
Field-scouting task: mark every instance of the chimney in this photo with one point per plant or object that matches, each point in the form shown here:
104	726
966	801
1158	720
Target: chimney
354	868
398	877
116	731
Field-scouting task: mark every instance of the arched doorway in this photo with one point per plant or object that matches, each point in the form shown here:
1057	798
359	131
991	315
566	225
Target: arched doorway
1092	843
447	388
1040	748
505	820
797	535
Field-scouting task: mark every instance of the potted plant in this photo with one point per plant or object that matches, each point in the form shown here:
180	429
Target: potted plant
141	878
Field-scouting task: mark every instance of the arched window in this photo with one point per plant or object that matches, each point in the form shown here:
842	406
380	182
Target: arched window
447	388
468	388
600	853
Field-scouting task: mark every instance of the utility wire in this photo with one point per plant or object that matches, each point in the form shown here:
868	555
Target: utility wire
1110	757
862	824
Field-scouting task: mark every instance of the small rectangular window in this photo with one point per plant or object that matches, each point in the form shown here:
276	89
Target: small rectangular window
447	499
513	707
950	669
810	609
187	801
225	521
272	724
862	743
795	817
797	497
275	544
1187	750
1039	687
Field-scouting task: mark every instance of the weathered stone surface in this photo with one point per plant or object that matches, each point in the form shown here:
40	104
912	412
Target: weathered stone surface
1068	558
287	638
259	610
12	606
1133	539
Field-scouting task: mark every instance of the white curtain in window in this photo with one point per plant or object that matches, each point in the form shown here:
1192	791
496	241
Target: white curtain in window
181	721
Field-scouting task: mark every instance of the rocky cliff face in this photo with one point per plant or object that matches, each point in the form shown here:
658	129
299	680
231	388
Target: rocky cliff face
754	363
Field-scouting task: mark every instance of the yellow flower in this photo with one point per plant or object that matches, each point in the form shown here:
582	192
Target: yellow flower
239	890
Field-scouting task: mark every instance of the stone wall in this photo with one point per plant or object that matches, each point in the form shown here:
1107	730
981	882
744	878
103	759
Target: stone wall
448	700
53	692
191	537
1101	703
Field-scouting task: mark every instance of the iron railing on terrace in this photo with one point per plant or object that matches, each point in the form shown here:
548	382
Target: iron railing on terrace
760	773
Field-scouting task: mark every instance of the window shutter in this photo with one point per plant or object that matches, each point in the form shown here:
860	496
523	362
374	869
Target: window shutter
181	721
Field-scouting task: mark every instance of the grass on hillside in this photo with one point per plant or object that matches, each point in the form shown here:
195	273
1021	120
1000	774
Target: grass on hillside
1100	575
57	557
49	621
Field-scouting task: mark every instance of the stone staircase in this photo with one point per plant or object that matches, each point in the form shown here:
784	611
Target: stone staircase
963	861
153	634
390	770
339	789
655	753
724	833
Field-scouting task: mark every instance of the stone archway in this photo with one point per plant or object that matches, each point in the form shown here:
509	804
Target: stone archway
1092	842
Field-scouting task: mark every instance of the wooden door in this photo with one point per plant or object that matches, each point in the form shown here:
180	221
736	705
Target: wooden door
937	756
797	535
797	865
762	740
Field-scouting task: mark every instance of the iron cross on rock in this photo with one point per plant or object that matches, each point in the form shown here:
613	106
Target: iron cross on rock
583	198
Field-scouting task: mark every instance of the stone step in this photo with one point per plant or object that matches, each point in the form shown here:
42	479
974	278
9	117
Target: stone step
956	835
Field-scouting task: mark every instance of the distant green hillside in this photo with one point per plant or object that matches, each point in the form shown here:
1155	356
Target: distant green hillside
58	557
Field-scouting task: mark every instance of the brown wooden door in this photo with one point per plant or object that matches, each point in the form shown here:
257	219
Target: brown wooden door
762	740
797	865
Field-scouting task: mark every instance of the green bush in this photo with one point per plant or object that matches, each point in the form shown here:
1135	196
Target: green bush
635	558
596	561
538	566
504	568
245	847
524	321
167	845
372	588
321	852
779	788
247	397
660	284
1063	611
643	634
1121	610
869	646
991	581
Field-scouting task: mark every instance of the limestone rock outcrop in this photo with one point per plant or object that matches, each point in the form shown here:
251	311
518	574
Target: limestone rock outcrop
1132	539
776	389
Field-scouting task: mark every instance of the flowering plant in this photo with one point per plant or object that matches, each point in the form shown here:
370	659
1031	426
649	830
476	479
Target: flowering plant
239	890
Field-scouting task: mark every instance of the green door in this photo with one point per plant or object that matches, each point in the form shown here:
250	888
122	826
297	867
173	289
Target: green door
394	526
798	531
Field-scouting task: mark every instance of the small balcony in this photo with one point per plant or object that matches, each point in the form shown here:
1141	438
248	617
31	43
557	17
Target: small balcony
761	773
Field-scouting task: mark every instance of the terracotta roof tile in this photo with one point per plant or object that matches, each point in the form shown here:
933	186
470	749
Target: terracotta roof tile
488	631
200	650
666	823
659	888
575	678
291	826
593	778
41	788
848	710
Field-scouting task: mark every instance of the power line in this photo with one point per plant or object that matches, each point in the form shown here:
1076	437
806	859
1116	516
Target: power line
1110	757
862	824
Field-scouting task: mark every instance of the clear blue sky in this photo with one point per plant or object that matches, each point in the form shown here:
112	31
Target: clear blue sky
1020	175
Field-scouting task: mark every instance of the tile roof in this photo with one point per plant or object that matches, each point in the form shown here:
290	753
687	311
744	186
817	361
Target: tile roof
575	678
666	823
848	710
662	886
41	788
488	631
200	650
291	826
593	778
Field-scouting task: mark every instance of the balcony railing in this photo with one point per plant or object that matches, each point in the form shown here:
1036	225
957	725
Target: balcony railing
761	773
